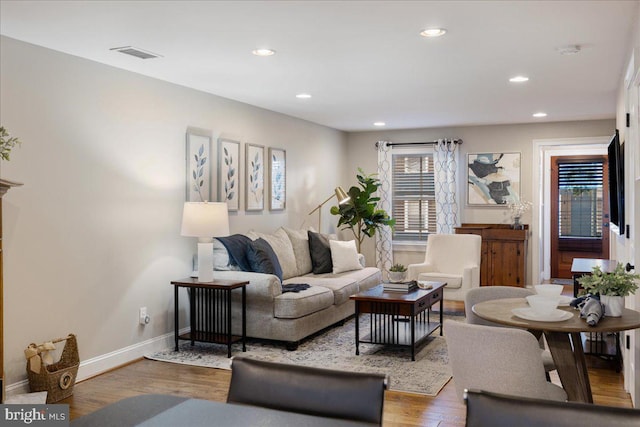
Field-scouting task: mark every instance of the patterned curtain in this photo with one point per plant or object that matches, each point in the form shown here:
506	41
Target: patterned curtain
445	159
384	246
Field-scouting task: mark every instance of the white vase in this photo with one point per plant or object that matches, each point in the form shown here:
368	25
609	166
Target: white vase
397	276
613	305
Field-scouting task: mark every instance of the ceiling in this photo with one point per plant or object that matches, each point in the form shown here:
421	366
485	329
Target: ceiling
362	61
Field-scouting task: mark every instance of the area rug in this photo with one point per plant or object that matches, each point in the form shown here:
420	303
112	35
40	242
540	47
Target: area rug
334	348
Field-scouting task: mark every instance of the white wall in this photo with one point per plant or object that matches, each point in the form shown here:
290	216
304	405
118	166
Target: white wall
94	233
477	139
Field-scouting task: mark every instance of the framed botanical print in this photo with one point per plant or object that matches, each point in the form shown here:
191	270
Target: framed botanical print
229	173
493	179
254	177
277	179
198	155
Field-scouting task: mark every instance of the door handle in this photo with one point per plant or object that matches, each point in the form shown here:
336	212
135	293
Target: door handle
629	267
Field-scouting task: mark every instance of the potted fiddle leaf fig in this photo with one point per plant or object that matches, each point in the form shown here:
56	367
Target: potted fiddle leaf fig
361	214
7	142
611	287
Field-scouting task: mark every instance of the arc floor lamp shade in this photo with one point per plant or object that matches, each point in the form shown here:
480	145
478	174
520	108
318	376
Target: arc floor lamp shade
205	220
339	194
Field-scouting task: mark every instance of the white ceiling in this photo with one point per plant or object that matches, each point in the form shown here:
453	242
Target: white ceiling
363	61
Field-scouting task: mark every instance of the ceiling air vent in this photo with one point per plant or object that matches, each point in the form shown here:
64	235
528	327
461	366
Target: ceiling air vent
137	52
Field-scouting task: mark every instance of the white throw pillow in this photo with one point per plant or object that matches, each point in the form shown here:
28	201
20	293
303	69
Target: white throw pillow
344	256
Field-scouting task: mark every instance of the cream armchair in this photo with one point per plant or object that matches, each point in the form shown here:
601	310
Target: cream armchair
451	258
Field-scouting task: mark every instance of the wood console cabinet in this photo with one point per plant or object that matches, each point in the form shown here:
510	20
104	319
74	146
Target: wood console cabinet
504	253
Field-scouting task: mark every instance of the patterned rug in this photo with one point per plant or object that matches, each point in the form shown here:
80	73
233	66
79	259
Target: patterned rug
334	348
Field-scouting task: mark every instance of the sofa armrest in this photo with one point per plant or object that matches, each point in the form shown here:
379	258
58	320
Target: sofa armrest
414	270
263	286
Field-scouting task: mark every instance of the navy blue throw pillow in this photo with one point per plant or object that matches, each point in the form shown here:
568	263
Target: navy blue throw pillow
263	259
320	253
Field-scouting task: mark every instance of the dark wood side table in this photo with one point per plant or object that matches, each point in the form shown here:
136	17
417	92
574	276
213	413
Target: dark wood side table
394	314
210	312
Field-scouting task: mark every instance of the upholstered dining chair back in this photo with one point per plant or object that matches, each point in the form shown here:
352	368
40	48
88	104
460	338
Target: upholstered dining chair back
496	410
488	293
313	391
450	258
500	360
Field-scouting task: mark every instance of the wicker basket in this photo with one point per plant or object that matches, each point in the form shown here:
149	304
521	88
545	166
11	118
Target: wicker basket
57	378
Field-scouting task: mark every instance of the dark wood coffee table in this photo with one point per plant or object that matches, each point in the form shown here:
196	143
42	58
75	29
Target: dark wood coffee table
398	318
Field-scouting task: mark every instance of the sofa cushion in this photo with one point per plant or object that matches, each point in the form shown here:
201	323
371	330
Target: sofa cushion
320	253
263	259
343	285
221	260
344	256
292	305
281	245
453	281
300	243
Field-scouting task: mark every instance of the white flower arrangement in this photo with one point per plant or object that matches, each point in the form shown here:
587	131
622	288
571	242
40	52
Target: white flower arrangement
519	207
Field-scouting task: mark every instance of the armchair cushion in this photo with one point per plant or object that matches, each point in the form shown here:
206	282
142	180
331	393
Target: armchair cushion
454	281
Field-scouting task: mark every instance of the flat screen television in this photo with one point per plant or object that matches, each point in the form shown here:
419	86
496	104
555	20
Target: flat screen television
616	182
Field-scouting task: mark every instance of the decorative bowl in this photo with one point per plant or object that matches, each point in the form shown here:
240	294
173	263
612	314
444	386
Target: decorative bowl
549	290
397	276
543	305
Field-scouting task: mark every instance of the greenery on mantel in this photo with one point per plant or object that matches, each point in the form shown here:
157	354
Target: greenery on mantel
361	214
617	283
7	142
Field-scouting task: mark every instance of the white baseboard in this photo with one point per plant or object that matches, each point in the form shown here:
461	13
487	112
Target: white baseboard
100	364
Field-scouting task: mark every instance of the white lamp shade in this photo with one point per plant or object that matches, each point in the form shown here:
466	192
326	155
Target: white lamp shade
205	219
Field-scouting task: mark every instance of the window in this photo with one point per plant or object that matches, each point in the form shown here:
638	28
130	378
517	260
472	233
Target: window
580	199
414	206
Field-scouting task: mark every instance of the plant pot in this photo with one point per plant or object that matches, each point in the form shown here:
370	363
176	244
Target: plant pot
397	276
613	305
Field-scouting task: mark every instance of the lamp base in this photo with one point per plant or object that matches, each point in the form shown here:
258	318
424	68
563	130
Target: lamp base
205	262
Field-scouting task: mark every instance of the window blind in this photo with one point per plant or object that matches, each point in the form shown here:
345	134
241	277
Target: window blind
413	189
580	199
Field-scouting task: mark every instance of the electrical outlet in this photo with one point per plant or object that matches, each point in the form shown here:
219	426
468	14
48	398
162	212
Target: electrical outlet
144	316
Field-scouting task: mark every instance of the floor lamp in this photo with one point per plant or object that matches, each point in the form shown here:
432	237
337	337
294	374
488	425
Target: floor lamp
342	197
205	220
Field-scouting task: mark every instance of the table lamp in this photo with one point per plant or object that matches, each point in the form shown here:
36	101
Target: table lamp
342	197
205	220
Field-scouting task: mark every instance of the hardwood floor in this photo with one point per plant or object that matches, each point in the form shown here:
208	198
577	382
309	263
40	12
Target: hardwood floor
401	409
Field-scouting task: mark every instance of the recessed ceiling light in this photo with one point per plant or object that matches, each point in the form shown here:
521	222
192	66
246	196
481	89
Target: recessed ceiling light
433	32
303	96
519	79
263	52
379	124
540	114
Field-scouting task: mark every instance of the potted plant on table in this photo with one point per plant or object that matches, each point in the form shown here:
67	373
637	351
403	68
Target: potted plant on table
397	273
611	287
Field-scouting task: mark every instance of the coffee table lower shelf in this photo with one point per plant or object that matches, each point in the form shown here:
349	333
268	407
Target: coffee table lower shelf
398	332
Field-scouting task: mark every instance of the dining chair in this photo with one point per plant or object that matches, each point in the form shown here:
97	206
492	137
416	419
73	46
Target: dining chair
487	293
494	409
308	390
450	258
500	360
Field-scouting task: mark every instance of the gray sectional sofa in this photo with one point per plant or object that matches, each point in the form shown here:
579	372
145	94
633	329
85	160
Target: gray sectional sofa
291	316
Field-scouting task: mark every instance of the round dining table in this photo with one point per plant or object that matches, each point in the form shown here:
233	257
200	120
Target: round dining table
563	338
